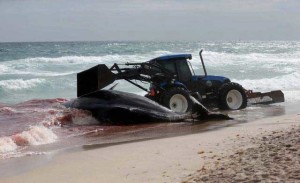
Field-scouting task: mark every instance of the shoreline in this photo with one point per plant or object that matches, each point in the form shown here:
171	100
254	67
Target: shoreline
174	159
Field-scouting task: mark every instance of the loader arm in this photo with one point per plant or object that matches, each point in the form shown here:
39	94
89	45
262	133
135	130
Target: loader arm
100	76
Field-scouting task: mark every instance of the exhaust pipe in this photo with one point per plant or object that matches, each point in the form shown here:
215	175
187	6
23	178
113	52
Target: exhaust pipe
200	54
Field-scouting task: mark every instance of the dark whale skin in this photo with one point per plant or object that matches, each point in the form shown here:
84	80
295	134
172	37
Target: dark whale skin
112	106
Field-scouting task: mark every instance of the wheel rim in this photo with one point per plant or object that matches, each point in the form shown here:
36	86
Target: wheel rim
234	99
178	103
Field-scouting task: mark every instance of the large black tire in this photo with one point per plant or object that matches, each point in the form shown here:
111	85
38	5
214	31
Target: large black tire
177	99
232	96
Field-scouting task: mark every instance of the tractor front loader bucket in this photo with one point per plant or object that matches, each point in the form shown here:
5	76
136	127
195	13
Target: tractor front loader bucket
265	98
94	79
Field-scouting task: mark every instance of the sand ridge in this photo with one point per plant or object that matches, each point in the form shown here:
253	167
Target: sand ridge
273	156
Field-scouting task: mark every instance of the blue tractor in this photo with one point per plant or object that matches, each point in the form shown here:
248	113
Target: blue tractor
173	82
212	91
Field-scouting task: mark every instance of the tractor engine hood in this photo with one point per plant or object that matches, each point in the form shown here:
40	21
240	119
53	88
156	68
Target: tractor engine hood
211	78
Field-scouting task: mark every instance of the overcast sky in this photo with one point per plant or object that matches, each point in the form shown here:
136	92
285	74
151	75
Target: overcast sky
166	20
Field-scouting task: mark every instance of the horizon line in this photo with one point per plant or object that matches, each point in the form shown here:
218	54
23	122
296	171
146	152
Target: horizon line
69	41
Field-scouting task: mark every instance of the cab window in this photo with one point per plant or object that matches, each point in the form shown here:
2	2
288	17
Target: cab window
184	71
170	65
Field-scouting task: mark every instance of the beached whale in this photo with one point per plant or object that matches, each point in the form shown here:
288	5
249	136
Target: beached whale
111	106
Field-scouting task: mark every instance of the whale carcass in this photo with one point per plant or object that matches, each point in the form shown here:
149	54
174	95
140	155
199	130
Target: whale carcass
110	106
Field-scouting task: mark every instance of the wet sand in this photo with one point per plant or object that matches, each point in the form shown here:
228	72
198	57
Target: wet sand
189	158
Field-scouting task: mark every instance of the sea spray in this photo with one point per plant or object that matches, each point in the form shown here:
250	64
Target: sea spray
19	84
39	122
285	82
36	135
7	145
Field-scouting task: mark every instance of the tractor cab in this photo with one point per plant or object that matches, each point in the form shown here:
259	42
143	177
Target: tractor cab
177	64
204	86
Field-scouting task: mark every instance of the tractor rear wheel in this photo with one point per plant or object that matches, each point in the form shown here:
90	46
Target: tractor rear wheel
232	96
177	99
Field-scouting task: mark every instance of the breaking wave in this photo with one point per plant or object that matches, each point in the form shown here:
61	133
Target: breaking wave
64	59
248	59
73	60
43	121
285	82
19	84
36	135
7	144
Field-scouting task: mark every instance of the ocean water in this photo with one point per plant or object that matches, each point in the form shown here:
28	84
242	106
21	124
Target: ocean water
35	78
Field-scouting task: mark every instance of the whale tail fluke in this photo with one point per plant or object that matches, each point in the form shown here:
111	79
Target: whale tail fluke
200	112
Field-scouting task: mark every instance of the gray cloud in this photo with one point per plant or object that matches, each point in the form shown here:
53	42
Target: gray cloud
80	20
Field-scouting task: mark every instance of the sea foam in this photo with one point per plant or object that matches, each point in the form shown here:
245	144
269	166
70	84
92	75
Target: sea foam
7	145
18	84
73	60
36	135
285	82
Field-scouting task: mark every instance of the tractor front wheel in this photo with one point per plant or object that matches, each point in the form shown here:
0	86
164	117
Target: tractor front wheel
177	99
232	96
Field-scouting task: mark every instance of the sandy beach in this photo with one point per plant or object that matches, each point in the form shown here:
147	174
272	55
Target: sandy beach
266	149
